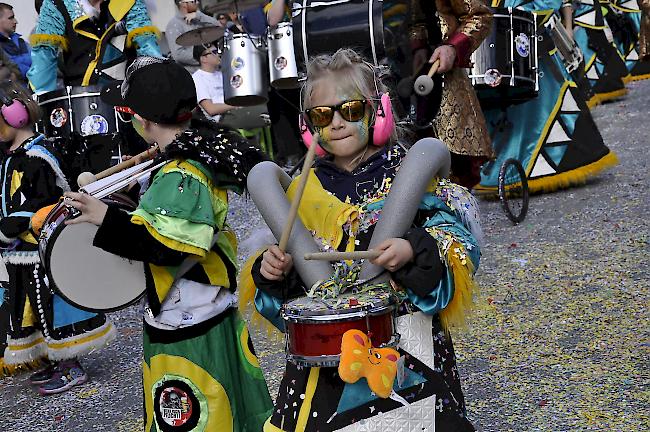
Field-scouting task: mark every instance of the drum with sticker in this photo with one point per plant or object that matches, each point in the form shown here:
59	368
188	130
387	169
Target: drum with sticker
244	70
76	110
282	60
505	66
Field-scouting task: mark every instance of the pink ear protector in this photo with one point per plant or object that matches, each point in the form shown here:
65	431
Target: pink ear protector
381	130
13	111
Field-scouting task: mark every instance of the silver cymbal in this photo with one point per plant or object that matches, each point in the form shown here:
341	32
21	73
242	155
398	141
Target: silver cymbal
200	36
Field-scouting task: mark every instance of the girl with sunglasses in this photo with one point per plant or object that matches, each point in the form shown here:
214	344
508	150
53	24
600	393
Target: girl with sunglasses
349	107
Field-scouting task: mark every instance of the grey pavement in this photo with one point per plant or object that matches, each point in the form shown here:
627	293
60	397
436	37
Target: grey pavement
560	341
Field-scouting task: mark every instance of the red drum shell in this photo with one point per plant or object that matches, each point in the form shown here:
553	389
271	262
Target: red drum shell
319	339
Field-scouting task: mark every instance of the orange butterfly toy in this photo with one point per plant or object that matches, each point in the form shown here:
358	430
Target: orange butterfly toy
360	359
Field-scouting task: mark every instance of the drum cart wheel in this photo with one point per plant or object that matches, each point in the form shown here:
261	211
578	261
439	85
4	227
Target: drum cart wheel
513	190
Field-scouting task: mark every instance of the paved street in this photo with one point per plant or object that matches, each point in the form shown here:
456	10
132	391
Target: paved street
560	341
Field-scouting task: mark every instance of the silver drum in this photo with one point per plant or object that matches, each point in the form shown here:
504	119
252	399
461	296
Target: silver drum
244	70
282	60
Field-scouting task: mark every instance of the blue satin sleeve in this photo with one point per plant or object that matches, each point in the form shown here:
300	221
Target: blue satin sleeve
269	307
42	73
138	17
147	45
446	220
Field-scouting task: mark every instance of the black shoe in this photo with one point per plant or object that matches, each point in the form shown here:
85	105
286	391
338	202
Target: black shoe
43	375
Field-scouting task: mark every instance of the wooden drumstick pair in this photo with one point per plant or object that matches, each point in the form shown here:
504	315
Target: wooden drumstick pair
85	178
293	213
424	83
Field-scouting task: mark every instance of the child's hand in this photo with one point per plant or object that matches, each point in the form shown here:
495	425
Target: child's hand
395	253
275	264
92	210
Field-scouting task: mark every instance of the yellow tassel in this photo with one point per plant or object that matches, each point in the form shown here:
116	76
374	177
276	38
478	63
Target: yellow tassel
574	177
638	77
562	180
9	370
465	289
616	94
46	39
141	31
247	301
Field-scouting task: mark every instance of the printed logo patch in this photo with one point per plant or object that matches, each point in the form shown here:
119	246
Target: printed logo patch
176	406
522	44
58	118
94	124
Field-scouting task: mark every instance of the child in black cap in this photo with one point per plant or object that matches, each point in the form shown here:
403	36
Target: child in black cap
200	371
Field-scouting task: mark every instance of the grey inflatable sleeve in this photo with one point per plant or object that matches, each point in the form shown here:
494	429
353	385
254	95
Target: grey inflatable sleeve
267	185
427	159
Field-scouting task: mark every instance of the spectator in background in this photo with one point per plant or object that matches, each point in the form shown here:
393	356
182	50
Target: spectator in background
188	17
8	69
208	81
11	42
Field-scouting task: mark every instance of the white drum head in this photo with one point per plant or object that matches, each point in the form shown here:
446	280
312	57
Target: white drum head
89	277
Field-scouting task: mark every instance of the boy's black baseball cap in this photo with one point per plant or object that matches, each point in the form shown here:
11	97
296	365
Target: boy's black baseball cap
157	89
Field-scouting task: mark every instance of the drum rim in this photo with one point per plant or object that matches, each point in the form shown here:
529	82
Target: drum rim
343	317
46	253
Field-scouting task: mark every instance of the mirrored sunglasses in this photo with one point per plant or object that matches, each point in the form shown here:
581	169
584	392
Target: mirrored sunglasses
352	111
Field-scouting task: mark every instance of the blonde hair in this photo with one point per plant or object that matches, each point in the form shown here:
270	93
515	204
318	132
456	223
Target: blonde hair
350	72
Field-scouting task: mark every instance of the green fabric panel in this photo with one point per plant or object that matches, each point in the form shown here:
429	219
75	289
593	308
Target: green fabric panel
228	250
218	353
181	196
181	230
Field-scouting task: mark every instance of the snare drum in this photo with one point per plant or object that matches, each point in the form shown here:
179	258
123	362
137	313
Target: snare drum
282	60
323	27
315	328
505	65
77	110
569	51
84	275
244	70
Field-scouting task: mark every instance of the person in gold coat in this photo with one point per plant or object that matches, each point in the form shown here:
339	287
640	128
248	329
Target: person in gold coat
458	29
644	37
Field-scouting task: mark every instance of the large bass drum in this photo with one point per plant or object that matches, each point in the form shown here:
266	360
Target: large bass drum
325	26
77	110
505	65
84	275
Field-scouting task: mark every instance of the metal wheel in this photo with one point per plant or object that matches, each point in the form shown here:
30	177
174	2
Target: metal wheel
513	190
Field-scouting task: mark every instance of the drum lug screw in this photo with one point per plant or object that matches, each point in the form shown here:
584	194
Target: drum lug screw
93	106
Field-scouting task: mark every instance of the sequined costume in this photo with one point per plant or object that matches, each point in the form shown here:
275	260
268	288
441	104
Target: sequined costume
196	346
624	18
463	24
604	67
553	136
94	50
440	277
41	324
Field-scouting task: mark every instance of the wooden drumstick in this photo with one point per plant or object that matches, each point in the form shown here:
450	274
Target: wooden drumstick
424	84
85	178
293	211
342	256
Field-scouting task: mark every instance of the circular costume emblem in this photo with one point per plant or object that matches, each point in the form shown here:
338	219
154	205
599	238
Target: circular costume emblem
94	124
492	77
522	45
280	63
176	406
236	81
58	118
237	63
